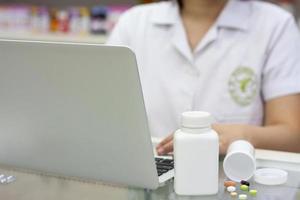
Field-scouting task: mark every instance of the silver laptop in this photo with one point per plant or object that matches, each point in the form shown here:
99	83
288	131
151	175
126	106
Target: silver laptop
76	110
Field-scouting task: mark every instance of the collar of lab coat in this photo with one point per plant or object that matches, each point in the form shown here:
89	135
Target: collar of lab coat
235	15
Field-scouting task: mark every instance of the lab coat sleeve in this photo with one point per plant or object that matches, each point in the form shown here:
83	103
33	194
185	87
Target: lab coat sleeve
121	32
281	72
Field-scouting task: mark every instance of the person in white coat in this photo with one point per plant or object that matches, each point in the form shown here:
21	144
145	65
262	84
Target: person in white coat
237	59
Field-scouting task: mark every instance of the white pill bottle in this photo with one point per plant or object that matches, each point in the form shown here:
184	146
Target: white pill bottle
196	155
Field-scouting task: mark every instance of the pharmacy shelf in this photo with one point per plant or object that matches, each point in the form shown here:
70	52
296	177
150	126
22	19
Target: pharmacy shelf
65	3
54	37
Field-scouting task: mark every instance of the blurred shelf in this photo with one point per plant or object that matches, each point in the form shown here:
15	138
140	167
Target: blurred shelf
66	3
54	37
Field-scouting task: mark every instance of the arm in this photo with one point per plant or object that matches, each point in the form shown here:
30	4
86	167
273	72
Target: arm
281	130
282	125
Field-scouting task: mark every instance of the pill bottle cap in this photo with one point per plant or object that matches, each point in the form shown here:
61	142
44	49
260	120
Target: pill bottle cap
196	119
239	163
270	176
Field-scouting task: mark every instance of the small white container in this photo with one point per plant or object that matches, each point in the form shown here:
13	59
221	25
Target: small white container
239	163
196	155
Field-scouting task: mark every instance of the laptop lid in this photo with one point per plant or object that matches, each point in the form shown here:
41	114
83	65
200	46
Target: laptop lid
74	110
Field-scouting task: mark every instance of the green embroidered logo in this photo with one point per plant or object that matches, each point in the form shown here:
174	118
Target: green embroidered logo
243	85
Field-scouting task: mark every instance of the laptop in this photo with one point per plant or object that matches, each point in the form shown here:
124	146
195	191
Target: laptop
76	110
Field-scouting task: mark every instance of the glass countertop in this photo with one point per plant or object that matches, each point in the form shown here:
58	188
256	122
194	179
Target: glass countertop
34	186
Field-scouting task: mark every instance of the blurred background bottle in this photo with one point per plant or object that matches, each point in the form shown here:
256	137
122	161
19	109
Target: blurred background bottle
98	20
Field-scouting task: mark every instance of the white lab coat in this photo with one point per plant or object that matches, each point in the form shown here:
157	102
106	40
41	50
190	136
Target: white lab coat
249	56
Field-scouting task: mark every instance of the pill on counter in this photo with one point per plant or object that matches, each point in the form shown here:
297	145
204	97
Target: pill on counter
253	193
245	183
233	194
231	189
3	180
229	183
242	196
10	179
244	187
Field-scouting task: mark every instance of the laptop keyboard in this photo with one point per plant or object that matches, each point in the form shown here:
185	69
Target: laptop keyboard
163	165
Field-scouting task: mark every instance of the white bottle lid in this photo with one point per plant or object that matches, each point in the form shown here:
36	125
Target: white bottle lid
196	119
270	176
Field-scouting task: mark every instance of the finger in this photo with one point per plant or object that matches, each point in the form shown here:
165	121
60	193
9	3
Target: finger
222	146
165	149
222	149
168	148
165	141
